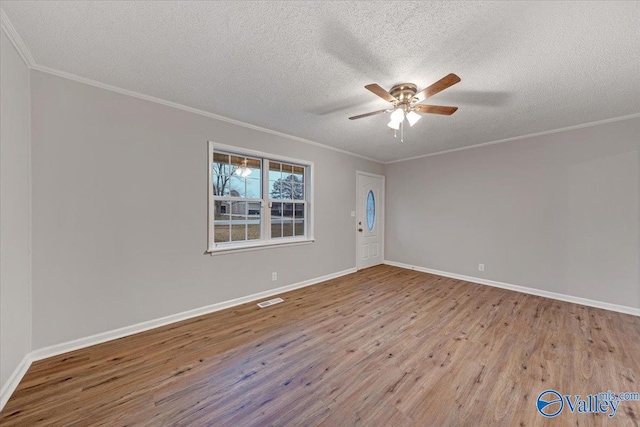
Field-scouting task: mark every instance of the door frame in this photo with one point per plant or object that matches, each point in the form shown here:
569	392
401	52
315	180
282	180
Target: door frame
381	218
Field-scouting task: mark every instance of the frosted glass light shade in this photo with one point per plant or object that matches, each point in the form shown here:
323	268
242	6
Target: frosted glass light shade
397	116
413	118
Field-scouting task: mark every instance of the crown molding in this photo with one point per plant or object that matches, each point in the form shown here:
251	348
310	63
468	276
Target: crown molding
16	40
24	52
171	104
517	138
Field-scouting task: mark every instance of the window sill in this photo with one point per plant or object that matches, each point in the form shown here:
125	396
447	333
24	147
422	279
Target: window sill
256	247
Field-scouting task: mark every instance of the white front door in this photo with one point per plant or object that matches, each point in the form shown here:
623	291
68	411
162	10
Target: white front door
370	219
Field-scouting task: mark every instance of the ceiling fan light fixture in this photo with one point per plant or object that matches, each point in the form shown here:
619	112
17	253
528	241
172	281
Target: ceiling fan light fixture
397	116
413	117
405	100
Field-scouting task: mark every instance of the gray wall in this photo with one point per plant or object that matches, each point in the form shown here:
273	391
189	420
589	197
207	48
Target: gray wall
557	212
15	206
120	212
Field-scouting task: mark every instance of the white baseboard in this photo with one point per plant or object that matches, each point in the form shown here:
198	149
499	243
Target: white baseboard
57	349
523	289
66	347
12	383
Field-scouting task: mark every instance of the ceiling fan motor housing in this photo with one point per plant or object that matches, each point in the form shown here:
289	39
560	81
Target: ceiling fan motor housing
404	92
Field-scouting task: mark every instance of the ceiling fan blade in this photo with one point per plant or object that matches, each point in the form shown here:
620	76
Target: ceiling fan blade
439	86
435	109
381	92
367	114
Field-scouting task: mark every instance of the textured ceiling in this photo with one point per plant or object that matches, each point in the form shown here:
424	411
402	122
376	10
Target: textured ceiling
300	67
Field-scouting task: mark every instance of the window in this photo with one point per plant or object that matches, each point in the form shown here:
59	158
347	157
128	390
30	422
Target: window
371	210
257	199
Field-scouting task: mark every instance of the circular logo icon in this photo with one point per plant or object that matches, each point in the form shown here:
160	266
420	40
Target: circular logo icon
550	403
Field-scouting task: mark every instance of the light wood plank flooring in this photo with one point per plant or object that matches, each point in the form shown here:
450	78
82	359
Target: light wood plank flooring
382	347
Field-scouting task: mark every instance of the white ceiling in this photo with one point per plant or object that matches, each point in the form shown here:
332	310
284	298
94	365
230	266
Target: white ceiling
300	67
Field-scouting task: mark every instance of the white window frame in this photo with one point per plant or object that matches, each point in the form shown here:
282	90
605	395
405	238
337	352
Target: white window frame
265	210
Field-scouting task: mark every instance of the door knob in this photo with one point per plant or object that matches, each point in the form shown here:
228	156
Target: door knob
360	230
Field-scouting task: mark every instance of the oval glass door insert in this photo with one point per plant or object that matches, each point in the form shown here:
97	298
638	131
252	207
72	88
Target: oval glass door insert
371	210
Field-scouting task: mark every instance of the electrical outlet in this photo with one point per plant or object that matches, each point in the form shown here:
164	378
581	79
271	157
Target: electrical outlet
274	276
480	267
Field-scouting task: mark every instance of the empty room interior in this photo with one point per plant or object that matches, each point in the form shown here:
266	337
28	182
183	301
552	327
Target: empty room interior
289	213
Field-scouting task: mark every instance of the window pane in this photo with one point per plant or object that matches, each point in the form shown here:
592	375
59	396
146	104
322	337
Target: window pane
286	189
275	189
298	172
236	162
274	171
276	230
297	188
220	165
287	179
220	185
221	221
238	221
254	209
221	234
220	158
220	170
255	168
238	232
238	210
221	210
254	219
253	229
298	221
254	164
275	178
287	220
276	220
236	186
254	188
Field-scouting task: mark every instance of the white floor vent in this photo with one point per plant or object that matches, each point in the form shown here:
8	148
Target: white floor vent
264	304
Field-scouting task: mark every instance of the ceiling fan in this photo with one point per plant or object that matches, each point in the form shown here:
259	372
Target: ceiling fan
405	99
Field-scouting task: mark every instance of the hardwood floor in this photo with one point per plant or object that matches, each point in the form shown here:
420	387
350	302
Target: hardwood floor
382	347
